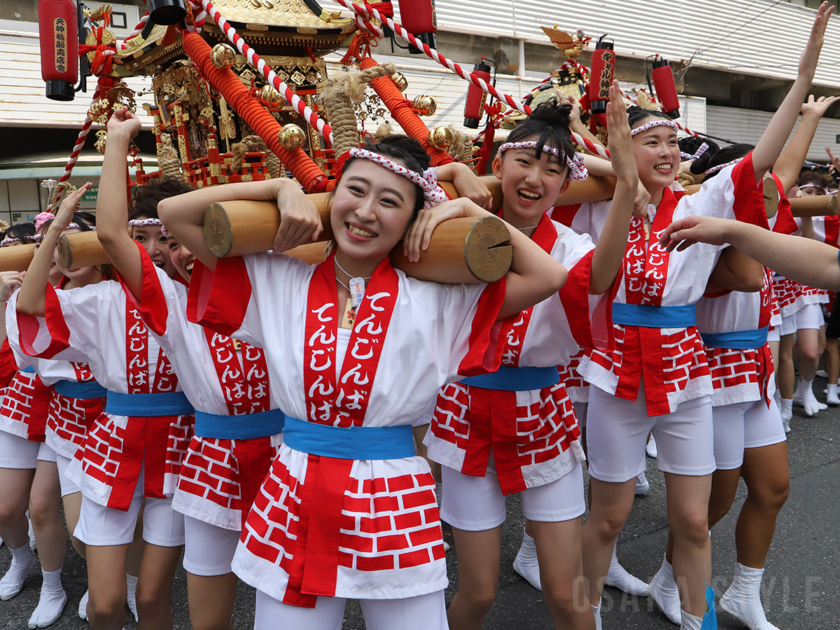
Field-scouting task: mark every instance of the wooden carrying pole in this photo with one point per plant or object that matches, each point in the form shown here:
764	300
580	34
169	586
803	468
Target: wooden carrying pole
16	258
240	227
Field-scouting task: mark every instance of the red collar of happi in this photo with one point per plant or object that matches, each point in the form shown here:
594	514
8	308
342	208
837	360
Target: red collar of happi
342	400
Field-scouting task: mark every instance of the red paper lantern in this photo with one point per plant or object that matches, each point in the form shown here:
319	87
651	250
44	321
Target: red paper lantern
666	89
418	17
476	97
601	75
59	32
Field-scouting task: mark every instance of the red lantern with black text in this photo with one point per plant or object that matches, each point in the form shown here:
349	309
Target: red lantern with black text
601	75
58	29
418	17
476	97
666	89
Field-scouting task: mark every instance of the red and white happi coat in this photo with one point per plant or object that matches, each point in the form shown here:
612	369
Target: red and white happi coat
533	434
95	325
219	477
68	419
26	400
672	361
367	529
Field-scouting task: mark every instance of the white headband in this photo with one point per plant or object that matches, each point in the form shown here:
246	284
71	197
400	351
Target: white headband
144	222
720	167
661	122
432	192
8	241
577	171
810	186
700	151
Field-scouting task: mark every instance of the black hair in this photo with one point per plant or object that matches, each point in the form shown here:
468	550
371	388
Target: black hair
23	231
728	154
408	152
550	123
83	219
691	144
813	176
145	199
637	115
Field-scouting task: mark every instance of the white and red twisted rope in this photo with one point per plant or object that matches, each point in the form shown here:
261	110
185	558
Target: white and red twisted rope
254	59
74	156
369	12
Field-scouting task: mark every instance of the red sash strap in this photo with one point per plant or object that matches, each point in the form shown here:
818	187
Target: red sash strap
338	402
646	273
244	383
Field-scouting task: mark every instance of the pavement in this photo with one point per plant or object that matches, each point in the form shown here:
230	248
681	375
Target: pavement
801	583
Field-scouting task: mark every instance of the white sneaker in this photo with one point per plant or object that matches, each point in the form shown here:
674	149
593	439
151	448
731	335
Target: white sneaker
22	562
650	448
51	602
664	591
642	485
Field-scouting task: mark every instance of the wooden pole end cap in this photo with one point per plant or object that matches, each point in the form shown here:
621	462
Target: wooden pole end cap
771	197
218	231
486	251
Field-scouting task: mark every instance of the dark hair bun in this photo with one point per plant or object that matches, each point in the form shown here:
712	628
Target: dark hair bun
551	111
691	144
411	147
146	198
729	154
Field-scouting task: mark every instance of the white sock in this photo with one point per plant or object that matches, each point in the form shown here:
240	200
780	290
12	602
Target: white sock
743	598
526	563
620	578
83	606
22	562
596	610
787	407
52	601
690	622
32	544
664	591
131	599
831	394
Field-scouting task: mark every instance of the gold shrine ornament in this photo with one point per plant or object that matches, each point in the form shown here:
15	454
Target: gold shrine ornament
223	56
441	137
400	81
291	137
270	98
424	105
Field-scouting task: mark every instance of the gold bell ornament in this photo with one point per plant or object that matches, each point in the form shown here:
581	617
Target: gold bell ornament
291	137
400	81
270	98
101	138
441	137
223	56
425	105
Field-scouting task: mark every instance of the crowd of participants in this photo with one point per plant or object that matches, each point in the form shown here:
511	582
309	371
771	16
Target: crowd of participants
305	429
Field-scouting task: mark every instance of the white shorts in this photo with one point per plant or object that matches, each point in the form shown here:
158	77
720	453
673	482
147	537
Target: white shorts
617	433
101	526
476	504
21	454
745	425
209	549
424	612
580	413
788	326
68	486
773	334
810	316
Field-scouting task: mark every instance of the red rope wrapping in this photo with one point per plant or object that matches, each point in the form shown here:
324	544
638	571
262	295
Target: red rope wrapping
403	112
266	127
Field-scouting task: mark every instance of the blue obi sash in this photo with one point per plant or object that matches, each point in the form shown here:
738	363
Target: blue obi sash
245	427
350	443
737	340
516	379
28	368
83	391
647	316
148	405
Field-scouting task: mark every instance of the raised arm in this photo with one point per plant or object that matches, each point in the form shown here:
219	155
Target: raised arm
184	215
735	271
810	262
790	162
32	298
774	137
112	205
606	260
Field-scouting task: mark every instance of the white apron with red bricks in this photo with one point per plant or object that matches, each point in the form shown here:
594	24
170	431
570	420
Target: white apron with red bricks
90	325
533	434
673	360
390	543
24	408
219	478
68	419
